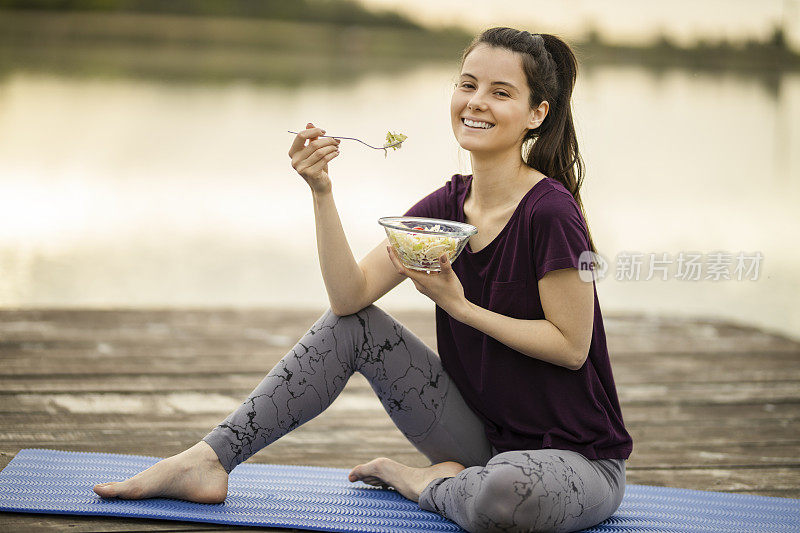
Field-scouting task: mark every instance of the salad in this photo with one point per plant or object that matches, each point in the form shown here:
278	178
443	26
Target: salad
421	248
392	138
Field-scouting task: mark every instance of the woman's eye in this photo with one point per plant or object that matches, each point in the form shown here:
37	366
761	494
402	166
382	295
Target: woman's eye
467	85
502	93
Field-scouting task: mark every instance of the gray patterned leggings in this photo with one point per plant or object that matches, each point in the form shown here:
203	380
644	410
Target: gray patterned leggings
525	490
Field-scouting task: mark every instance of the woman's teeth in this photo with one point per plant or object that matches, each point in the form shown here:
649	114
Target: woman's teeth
475	124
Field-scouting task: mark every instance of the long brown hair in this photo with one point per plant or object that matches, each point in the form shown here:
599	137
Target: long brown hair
551	69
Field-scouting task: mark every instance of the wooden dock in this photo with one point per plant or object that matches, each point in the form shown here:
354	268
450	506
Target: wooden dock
710	405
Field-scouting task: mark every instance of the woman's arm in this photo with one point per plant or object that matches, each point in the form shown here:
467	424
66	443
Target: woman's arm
310	155
350	286
344	280
563	337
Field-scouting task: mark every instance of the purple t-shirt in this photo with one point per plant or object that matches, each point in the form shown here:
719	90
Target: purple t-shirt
524	402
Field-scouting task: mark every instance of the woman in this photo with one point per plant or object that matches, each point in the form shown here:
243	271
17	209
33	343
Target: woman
518	412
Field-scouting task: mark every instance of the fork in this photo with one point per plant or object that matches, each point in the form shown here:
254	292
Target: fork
359	140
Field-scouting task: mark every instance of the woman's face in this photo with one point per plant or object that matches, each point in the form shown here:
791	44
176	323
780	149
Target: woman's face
493	91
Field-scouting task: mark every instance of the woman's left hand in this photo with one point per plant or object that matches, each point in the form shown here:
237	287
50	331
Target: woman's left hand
443	287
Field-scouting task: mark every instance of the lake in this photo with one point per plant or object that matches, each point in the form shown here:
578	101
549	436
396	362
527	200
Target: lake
118	191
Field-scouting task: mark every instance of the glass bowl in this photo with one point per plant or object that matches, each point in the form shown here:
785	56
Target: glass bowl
421	241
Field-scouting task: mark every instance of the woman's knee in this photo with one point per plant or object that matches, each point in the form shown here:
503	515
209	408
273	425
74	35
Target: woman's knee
372	308
495	501
361	320
331	317
518	497
360	330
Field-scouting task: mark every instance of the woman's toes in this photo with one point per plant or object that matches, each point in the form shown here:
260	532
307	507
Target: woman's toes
128	489
353	475
107	490
101	490
357	473
367	472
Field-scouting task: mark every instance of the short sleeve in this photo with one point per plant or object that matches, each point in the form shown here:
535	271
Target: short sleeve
559	233
432	206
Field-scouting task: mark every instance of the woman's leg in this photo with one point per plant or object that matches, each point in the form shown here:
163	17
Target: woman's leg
532	490
406	375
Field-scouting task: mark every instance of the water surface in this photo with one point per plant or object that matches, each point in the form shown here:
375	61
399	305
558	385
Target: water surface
131	192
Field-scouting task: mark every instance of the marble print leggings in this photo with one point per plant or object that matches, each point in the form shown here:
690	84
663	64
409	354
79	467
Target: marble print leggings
524	490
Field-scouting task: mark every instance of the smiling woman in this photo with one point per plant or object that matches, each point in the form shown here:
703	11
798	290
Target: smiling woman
527	351
518	412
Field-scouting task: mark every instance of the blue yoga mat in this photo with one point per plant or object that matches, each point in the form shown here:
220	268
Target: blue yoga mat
322	499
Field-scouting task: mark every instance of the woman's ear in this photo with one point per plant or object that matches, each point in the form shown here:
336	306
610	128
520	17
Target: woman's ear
538	115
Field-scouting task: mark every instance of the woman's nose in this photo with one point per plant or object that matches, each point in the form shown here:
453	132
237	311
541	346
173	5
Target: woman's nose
476	102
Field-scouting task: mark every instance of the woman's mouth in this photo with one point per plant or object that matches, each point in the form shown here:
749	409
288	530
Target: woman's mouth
476	124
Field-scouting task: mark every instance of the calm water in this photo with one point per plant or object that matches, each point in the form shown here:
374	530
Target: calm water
134	193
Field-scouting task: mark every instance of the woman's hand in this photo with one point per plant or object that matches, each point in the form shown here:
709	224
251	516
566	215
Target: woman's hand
311	160
443	287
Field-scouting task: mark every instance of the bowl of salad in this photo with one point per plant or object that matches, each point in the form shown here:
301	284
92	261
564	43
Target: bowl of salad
420	242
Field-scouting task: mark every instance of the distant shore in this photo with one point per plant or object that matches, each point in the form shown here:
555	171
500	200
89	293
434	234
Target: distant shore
218	47
180	48
771	55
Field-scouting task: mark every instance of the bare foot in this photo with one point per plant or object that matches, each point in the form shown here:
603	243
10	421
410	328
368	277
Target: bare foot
408	481
195	475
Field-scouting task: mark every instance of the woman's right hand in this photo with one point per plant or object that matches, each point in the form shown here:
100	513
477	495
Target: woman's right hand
311	160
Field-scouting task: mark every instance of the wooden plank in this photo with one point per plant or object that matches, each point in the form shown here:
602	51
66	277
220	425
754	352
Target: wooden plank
44	522
691	449
655	445
363	445
240	347
240	384
750	480
740	413
359	396
196	410
171	360
638	334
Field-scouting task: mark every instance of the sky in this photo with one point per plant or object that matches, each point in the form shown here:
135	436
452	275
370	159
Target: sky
622	21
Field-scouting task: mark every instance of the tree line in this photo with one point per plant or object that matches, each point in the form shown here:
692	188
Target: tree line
342	12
